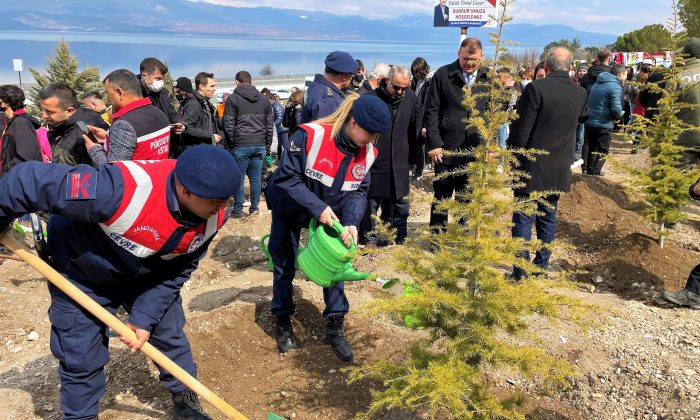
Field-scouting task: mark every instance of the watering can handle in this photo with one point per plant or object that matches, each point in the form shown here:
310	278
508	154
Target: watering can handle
263	245
336	225
340	229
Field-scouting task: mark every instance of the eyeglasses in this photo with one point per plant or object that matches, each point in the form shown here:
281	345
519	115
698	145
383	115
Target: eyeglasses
398	88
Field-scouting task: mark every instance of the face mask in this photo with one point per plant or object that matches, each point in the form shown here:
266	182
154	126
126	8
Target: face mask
525	82
156	86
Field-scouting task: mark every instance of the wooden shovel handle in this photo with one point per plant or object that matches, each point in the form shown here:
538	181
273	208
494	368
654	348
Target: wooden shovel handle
115	324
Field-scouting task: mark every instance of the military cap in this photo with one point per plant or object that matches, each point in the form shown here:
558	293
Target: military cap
208	171
372	114
341	62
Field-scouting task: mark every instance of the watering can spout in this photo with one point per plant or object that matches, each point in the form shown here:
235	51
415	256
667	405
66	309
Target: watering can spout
349	274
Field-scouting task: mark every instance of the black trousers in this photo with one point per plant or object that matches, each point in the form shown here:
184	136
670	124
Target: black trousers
395	212
443	189
598	146
693	283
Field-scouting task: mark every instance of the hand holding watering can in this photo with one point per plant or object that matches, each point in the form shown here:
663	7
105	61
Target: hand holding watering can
329	252
327	217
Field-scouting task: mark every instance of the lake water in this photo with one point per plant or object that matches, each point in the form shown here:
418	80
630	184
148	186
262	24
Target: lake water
188	55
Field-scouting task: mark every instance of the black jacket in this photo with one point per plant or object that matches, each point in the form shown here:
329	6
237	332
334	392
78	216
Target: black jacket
421	102
248	118
160	100
66	139
549	111
291	118
19	143
444	114
589	79
650	99
390	169
199	117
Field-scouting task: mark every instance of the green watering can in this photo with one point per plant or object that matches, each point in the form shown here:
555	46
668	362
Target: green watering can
325	259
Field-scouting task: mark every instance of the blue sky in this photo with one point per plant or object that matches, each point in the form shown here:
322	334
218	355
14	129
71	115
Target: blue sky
609	16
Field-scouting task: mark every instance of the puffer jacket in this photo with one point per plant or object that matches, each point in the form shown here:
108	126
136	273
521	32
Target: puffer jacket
248	118
690	81
605	102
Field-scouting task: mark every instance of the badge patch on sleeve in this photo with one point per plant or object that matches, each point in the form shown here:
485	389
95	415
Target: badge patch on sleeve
81	186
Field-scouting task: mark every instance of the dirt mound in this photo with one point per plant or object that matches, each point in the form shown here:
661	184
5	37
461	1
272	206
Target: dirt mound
616	245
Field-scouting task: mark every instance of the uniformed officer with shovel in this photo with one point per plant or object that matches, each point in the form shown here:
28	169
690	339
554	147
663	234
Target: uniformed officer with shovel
130	233
323	173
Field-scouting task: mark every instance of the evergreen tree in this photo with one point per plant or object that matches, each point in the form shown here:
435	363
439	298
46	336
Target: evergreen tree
574	45
664	184
689	13
650	38
475	316
63	67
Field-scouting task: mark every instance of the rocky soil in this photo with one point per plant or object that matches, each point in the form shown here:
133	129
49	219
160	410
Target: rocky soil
643	363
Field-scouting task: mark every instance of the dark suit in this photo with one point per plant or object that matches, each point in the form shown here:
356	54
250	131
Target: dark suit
446	127
438	18
549	110
389	187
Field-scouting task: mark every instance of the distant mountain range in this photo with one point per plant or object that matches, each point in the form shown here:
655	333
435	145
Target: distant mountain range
198	18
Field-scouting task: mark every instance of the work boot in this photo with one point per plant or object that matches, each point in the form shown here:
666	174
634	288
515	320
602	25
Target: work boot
683	297
186	407
336	338
285	334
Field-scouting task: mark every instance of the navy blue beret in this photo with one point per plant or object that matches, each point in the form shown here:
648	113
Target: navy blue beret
372	114
341	62
208	171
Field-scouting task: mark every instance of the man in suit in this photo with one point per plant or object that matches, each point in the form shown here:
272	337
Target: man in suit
445	119
550	110
441	16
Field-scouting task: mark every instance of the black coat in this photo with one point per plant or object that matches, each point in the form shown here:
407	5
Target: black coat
160	100
589	79
549	111
66	139
19	142
248	118
444	114
390	169
199	117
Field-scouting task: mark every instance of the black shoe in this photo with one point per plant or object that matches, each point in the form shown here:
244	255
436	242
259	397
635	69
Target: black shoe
336	338
186	407
285	334
683	297
236	215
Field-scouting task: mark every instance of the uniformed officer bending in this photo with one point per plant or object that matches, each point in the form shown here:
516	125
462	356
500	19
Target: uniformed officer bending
130	233
329	89
323	173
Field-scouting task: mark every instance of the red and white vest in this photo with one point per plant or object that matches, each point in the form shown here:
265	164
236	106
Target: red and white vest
323	158
151	126
143	224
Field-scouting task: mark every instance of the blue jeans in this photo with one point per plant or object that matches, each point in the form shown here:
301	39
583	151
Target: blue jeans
580	131
250	161
503	132
546	227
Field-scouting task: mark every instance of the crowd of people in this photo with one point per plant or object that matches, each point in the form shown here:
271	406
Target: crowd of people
137	187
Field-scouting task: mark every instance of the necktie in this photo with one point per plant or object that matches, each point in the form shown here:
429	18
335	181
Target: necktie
469	79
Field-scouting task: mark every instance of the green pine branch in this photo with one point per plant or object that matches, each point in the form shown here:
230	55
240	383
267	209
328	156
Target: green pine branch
474	317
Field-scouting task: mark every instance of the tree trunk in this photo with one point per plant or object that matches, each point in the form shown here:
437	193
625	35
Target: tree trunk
661	235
